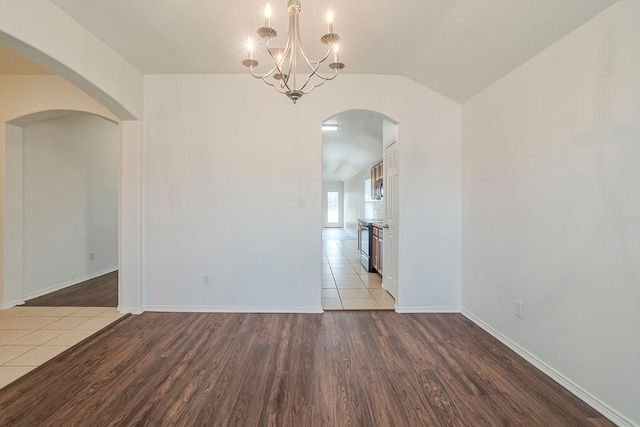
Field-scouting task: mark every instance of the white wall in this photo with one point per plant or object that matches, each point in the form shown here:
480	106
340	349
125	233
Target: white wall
12	242
70	201
354	204
226	160
551	213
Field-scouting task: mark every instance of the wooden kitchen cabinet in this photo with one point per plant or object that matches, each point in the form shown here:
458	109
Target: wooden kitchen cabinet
376	248
377	179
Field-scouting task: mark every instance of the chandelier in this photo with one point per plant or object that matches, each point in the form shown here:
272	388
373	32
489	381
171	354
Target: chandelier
287	59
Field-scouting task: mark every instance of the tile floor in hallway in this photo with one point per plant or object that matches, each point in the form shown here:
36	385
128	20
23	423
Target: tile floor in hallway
30	336
346	284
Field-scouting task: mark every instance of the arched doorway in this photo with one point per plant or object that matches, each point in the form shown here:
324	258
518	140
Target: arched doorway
52	92
355	142
61	186
31	98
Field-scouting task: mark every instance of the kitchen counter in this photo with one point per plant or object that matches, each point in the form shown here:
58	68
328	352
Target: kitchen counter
370	221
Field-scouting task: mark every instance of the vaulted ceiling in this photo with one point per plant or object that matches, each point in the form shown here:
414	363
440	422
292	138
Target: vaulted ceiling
355	145
455	47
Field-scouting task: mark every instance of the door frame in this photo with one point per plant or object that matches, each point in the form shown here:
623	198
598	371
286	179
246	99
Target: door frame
391	198
390	135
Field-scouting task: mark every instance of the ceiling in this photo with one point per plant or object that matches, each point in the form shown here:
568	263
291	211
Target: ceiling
12	63
455	47
354	146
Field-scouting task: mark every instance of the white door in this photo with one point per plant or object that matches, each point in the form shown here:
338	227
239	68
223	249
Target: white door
390	247
332	203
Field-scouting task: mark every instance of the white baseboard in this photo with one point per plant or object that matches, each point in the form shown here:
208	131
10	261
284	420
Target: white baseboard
597	404
208	309
130	310
436	309
54	288
11	304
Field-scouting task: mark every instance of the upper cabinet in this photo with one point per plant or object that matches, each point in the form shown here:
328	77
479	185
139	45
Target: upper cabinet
377	179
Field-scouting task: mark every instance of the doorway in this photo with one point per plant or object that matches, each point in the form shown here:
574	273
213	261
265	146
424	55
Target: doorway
38	96
353	148
332	193
62	202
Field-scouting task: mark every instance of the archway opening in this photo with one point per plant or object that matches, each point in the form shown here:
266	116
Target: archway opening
61	205
354	144
68	82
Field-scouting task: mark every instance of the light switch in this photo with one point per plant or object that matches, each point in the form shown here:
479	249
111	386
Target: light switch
301	202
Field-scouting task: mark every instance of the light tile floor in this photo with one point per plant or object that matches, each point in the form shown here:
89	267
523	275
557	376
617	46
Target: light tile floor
346	284
29	336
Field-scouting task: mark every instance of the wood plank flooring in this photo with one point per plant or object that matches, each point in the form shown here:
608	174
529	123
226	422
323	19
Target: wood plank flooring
101	291
372	368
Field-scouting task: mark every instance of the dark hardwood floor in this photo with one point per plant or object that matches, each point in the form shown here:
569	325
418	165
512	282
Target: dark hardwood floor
335	369
97	292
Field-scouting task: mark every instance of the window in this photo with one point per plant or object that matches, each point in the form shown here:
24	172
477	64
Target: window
370	205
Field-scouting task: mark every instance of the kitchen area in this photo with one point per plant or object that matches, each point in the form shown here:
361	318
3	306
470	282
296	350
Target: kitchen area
371	230
352	262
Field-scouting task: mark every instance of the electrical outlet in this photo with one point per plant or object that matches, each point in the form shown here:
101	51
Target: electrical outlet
92	256
205	280
519	309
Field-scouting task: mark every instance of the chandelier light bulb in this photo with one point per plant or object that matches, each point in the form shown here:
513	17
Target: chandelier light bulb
330	21
250	47
336	49
267	15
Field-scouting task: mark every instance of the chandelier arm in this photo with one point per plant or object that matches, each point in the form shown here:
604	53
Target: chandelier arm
314	65
264	79
316	85
267	44
306	58
285	52
314	72
288	52
287	47
279	89
264	76
284	79
324	78
324	58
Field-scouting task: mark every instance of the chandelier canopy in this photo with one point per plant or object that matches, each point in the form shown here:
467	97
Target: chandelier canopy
287	59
